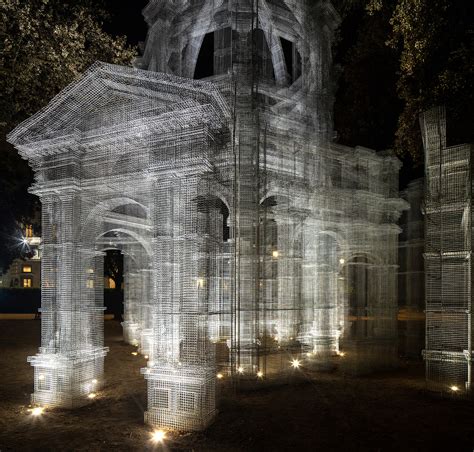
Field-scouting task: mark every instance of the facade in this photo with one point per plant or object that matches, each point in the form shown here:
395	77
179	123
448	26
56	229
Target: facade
25	272
252	244
411	276
448	255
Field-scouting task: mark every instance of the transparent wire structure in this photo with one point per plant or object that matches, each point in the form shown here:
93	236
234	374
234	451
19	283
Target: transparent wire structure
252	243
448	254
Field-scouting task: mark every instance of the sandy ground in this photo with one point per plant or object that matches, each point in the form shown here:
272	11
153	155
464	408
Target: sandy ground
327	412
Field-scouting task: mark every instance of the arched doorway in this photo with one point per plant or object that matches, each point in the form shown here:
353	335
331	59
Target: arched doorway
128	249
368	341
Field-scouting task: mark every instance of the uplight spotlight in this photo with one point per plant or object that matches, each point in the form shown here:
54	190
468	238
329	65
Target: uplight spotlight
295	363
37	411
158	436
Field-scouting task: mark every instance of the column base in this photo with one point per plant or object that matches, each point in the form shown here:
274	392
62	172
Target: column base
146	341
131	332
66	381
180	397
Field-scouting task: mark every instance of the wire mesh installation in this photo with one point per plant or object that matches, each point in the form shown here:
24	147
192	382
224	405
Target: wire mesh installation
448	250
252	244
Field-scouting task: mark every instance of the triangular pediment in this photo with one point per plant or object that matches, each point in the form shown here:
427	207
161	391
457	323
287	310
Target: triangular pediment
106	96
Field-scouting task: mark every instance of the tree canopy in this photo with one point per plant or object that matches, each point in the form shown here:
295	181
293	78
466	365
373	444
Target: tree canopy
398	58
44	45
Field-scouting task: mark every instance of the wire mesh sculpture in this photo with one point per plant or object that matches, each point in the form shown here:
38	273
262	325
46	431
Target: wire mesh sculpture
249	237
448	253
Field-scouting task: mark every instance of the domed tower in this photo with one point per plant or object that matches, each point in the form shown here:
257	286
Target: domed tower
271	59
276	53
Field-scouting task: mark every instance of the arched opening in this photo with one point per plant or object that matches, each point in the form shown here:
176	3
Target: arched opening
133	209
360	277
215	55
114	282
205	62
293	60
126	263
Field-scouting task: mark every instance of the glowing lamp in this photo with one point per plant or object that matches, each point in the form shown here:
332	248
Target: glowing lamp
37	411
260	374
219	376
134	353
295	363
342	261
454	388
275	254
92	395
158	436
240	370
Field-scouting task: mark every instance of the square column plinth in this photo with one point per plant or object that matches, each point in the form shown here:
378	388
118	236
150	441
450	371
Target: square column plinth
180	398
67	381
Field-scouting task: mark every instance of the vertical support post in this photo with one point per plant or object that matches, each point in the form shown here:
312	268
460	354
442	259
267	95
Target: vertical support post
132	303
181	370
69	365
287	280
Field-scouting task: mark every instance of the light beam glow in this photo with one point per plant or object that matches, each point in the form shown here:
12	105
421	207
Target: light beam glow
158	436
37	411
296	363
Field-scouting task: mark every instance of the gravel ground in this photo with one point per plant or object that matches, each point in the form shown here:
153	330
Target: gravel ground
326	412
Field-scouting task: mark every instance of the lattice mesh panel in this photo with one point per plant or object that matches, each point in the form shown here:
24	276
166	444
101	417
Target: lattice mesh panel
448	249
249	239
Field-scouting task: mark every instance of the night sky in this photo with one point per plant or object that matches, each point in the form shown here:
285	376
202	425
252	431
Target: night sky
127	19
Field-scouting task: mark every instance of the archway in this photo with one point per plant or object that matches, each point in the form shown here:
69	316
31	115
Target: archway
361	281
135	249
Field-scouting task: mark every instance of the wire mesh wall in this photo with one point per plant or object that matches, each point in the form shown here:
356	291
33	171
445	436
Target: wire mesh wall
253	245
448	195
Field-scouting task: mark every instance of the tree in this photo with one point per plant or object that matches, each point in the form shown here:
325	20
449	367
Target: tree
367	105
113	267
44	46
436	42
398	58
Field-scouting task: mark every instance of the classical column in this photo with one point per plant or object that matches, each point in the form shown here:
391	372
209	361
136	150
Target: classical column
69	365
132	302
181	370
146	312
288	259
320	292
